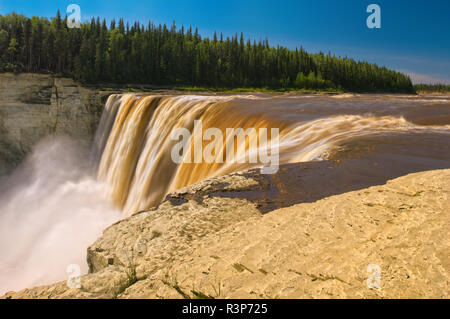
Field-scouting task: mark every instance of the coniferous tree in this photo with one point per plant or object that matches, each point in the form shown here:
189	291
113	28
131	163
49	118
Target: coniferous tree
159	55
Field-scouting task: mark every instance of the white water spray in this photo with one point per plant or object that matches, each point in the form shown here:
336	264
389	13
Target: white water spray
51	210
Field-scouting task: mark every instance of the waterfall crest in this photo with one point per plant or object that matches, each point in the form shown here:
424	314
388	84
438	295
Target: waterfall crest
134	142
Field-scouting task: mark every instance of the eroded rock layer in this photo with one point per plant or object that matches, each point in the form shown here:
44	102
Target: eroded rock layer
33	106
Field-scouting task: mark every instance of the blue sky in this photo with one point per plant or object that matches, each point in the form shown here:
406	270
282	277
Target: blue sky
414	37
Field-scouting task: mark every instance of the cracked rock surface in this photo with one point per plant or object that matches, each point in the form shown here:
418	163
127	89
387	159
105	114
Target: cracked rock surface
226	248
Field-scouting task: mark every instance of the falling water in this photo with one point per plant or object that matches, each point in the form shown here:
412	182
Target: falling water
135	141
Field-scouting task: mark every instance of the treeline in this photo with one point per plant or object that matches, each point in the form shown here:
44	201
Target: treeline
438	88
161	55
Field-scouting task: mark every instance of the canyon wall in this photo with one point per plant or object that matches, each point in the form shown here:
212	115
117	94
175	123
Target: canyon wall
33	106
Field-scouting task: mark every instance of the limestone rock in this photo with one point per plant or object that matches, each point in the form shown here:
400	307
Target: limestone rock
33	106
225	248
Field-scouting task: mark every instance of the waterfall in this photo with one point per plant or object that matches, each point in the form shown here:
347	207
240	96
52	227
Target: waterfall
135	140
57	202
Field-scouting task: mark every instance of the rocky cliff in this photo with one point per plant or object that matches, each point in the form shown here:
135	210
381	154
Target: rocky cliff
200	245
33	106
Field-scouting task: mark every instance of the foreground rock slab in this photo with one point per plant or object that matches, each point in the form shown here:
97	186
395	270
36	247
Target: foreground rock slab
225	248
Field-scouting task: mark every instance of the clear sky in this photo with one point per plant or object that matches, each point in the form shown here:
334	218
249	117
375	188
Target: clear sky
414	36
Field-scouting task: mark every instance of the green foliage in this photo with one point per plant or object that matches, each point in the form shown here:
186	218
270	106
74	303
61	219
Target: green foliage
432	88
158	55
312	81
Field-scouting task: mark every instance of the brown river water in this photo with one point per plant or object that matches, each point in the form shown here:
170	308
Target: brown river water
134	141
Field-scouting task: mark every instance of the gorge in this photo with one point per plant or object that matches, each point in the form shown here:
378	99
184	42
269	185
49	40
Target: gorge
328	145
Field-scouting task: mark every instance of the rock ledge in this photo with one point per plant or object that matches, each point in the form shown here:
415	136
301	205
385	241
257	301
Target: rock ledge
225	248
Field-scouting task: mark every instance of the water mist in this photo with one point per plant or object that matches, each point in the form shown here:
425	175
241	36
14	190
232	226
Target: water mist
51	209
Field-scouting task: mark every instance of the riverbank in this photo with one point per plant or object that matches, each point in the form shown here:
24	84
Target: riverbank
149	88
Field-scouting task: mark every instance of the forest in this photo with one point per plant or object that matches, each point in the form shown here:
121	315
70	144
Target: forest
171	56
432	88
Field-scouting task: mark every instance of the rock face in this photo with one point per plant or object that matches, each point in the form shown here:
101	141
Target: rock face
202	246
33	106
